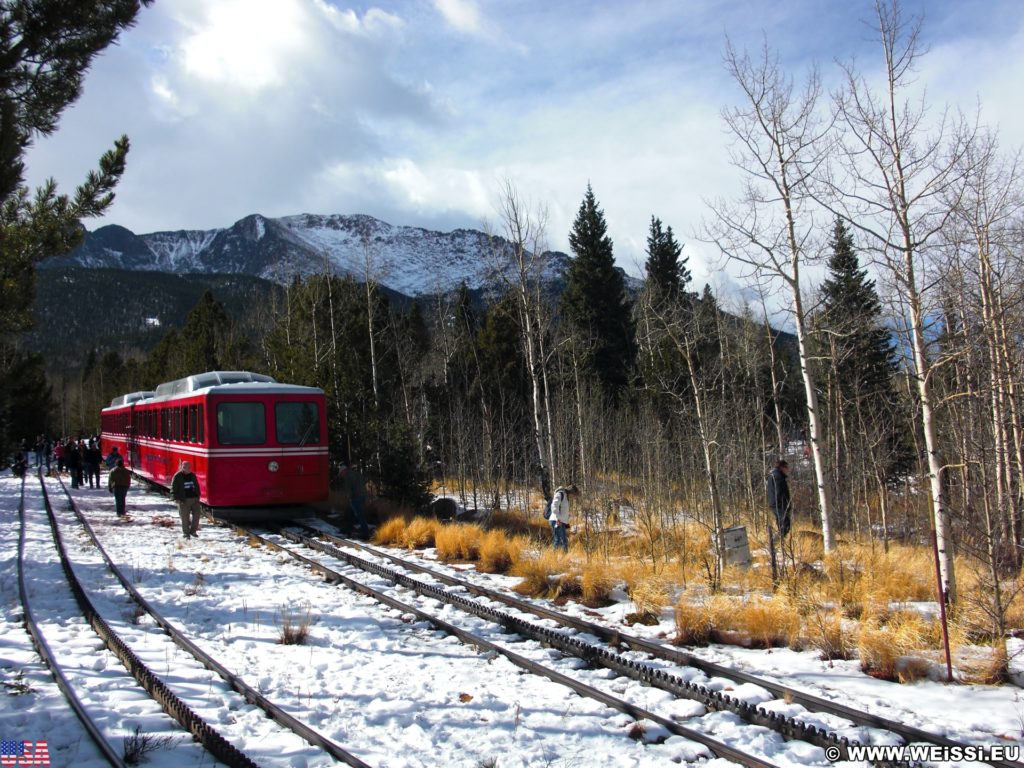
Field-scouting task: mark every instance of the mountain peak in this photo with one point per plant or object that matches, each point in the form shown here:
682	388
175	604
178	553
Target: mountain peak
409	260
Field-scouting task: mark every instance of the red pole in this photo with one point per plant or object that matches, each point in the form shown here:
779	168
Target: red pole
942	608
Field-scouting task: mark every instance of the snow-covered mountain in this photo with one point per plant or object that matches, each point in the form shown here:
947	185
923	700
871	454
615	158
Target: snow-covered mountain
409	260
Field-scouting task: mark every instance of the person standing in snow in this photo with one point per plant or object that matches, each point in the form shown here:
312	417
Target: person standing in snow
113	458
92	457
185	491
778	497
355	489
558	515
73	460
118	483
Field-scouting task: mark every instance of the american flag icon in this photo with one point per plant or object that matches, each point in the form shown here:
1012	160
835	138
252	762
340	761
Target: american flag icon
24	753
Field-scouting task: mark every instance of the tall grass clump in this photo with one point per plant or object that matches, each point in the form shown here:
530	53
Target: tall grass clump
421	533
769	623
498	552
391	532
694	623
596	584
539	573
458	542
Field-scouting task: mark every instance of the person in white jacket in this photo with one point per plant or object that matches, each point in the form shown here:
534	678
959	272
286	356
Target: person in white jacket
558	515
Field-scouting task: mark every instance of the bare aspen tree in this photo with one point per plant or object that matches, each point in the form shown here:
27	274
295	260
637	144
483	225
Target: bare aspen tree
370	268
779	145
902	168
987	218
521	263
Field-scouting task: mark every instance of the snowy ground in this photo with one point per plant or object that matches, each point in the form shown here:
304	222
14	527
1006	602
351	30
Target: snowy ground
392	690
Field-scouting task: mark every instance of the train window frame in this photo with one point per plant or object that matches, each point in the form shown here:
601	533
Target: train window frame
202	425
224	407
299	439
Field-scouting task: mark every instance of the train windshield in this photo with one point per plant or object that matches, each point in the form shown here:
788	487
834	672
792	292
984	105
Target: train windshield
298	423
241	424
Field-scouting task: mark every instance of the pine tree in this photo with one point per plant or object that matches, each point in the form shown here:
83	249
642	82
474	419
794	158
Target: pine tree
46	47
667	275
594	306
864	355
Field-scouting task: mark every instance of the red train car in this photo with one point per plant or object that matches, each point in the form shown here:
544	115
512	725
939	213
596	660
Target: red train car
252	442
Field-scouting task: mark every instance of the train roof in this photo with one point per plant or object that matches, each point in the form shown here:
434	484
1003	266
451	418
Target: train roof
233	381
133	397
210	379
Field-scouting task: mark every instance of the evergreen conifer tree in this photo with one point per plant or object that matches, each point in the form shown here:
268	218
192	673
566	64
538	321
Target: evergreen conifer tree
667	275
864	355
46	47
594	306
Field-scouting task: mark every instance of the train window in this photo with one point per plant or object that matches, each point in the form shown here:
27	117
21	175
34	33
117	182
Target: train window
297	423
241	424
201	425
192	426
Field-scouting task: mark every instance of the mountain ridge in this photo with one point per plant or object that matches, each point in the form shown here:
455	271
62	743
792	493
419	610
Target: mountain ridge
409	260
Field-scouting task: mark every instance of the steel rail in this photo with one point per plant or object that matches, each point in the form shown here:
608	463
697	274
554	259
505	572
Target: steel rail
718	748
788	727
618	638
250	694
203	732
47	655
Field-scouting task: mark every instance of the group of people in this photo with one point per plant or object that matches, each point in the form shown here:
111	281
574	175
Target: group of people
776	485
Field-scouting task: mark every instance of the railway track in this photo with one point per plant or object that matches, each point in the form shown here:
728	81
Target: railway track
216	744
618	639
47	654
714	745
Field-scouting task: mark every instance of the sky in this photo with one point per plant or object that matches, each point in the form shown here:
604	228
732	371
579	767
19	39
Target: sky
416	112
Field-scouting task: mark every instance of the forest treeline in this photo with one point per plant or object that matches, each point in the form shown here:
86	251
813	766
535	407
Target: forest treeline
900	405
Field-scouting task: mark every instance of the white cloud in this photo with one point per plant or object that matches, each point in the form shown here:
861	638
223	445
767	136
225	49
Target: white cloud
463	15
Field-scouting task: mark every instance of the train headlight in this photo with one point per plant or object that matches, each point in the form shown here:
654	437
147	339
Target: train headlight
272	466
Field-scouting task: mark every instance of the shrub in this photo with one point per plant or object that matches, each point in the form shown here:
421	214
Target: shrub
498	552
650	596
294	627
138	746
538	573
596	584
421	533
826	633
391	532
694	623
458	542
770	623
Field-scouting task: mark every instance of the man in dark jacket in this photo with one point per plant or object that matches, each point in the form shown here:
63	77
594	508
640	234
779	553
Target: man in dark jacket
355	489
185	491
118	482
778	496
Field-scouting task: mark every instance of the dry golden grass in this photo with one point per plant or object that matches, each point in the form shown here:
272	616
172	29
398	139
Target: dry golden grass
420	533
596	583
989	666
498	551
516	523
650	596
694	623
881	645
826	633
539	573
457	541
391	532
770	623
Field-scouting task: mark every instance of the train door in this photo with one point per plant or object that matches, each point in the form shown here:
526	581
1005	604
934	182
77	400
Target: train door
132	439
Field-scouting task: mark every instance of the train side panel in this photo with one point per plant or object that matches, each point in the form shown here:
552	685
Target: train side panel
247	449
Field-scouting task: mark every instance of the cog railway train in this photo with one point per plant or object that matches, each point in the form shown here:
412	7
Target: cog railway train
252	442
